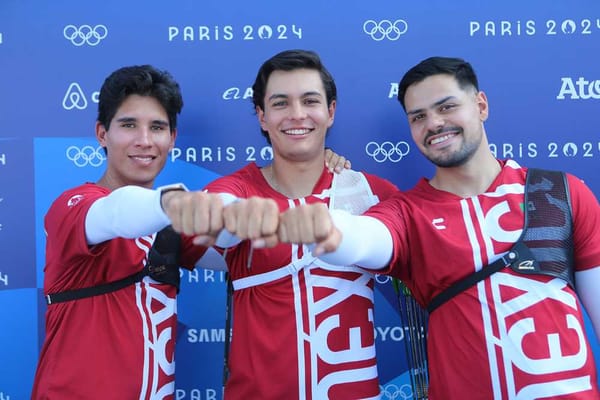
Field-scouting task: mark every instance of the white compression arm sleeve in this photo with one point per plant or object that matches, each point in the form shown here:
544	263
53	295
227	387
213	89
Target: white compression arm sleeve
366	241
587	283
128	212
225	238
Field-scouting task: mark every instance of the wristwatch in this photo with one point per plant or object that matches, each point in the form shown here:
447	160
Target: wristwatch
170	188
174	186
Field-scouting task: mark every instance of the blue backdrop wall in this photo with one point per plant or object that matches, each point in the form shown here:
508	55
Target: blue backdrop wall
537	61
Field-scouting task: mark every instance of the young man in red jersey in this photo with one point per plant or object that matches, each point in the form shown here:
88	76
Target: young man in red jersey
302	328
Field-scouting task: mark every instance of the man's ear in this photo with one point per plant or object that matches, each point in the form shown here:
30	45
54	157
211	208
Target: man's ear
331	110
101	133
483	105
260	114
173	137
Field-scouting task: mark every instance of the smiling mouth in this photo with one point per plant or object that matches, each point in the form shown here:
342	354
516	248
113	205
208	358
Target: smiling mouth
441	139
143	158
293	132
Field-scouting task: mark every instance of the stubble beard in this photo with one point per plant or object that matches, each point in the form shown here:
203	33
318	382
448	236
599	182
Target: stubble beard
457	158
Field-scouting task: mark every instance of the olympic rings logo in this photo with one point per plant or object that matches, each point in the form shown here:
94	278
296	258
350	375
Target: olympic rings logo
385	29
87	155
85	34
393	392
387	151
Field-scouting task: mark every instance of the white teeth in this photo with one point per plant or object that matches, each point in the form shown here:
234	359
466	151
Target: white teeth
143	158
441	139
297	131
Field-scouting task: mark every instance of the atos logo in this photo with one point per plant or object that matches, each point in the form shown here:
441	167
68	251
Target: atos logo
581	89
385	29
85	34
75	98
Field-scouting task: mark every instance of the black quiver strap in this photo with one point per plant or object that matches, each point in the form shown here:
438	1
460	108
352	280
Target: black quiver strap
162	266
546	243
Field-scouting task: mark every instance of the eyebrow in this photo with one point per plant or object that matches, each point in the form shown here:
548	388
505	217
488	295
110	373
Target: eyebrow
285	96
132	119
434	105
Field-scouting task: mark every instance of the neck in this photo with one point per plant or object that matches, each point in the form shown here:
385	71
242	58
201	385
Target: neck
471	179
110	182
294	179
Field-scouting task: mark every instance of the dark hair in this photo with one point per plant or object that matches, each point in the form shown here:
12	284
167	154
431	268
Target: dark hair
143	80
457	67
291	60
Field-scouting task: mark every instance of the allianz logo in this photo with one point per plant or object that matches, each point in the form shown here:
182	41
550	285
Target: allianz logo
580	89
76	98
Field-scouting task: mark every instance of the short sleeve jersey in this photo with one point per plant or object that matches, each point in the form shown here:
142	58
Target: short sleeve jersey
511	336
116	344
303	329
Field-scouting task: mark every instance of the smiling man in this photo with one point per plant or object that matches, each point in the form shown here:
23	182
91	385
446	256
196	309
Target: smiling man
111	320
302	329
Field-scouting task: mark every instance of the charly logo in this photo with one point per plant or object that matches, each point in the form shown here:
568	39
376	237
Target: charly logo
581	89
85	34
385	29
395	392
387	151
86	155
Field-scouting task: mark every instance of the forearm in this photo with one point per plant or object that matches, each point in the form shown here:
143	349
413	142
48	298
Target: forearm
587	283
366	242
128	212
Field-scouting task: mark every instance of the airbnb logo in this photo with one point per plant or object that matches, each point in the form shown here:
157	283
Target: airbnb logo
579	89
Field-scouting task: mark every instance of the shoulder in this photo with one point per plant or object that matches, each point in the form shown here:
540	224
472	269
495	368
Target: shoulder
238	182
86	193
581	195
379	185
73	204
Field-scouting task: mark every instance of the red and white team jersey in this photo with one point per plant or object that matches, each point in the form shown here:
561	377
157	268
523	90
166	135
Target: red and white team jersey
118	345
511	336
303	329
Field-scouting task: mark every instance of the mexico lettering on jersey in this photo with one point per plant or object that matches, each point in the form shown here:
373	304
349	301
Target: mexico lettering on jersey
303	329
117	344
510	336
